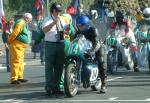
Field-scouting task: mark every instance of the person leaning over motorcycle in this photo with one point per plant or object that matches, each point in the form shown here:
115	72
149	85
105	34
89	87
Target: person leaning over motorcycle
69	33
91	34
121	25
144	24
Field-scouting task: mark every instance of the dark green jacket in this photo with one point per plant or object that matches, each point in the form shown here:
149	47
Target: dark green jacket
24	36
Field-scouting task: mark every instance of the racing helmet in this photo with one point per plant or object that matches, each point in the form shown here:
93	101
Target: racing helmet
146	12
82	20
120	17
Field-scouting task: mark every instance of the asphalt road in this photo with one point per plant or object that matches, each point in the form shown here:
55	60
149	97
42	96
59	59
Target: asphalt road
123	87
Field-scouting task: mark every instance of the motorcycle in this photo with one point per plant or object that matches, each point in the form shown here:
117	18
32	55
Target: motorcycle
80	67
142	52
119	53
143	40
112	54
141	37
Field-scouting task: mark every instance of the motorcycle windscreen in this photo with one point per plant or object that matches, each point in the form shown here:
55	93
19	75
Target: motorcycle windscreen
85	45
79	46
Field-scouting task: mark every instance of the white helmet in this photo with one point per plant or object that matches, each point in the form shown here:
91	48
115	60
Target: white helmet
68	16
146	11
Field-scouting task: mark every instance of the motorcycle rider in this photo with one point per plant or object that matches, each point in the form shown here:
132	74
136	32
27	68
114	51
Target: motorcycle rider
121	28
91	34
144	24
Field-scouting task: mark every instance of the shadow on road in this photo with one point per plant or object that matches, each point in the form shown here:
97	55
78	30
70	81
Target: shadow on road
31	95
131	79
127	85
11	88
131	73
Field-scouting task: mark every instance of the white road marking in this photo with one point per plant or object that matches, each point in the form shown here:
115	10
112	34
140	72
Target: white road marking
21	101
99	100
114	79
31	62
7	100
148	99
12	101
2	68
112	98
104	100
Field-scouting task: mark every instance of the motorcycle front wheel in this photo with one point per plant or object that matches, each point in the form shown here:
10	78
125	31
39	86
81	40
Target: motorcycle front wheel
70	80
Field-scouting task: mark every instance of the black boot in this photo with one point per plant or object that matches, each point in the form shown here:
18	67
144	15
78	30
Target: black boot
136	69
103	86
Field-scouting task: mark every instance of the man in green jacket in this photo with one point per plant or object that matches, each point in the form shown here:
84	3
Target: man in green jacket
18	41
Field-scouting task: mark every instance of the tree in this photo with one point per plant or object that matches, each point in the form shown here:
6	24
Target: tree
13	7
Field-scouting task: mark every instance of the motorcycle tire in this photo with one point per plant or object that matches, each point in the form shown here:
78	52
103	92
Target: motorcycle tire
142	56
70	80
112	61
109	63
119	62
115	60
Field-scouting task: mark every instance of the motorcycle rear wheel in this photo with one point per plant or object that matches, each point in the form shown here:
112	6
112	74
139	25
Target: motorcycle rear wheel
97	85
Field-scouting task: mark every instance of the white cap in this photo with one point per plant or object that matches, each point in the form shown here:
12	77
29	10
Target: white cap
146	11
28	15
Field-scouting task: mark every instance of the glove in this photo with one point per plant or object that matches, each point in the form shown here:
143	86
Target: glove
144	41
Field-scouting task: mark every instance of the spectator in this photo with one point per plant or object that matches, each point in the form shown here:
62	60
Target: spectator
68	37
133	19
36	31
122	28
139	15
4	38
142	31
53	27
18	41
